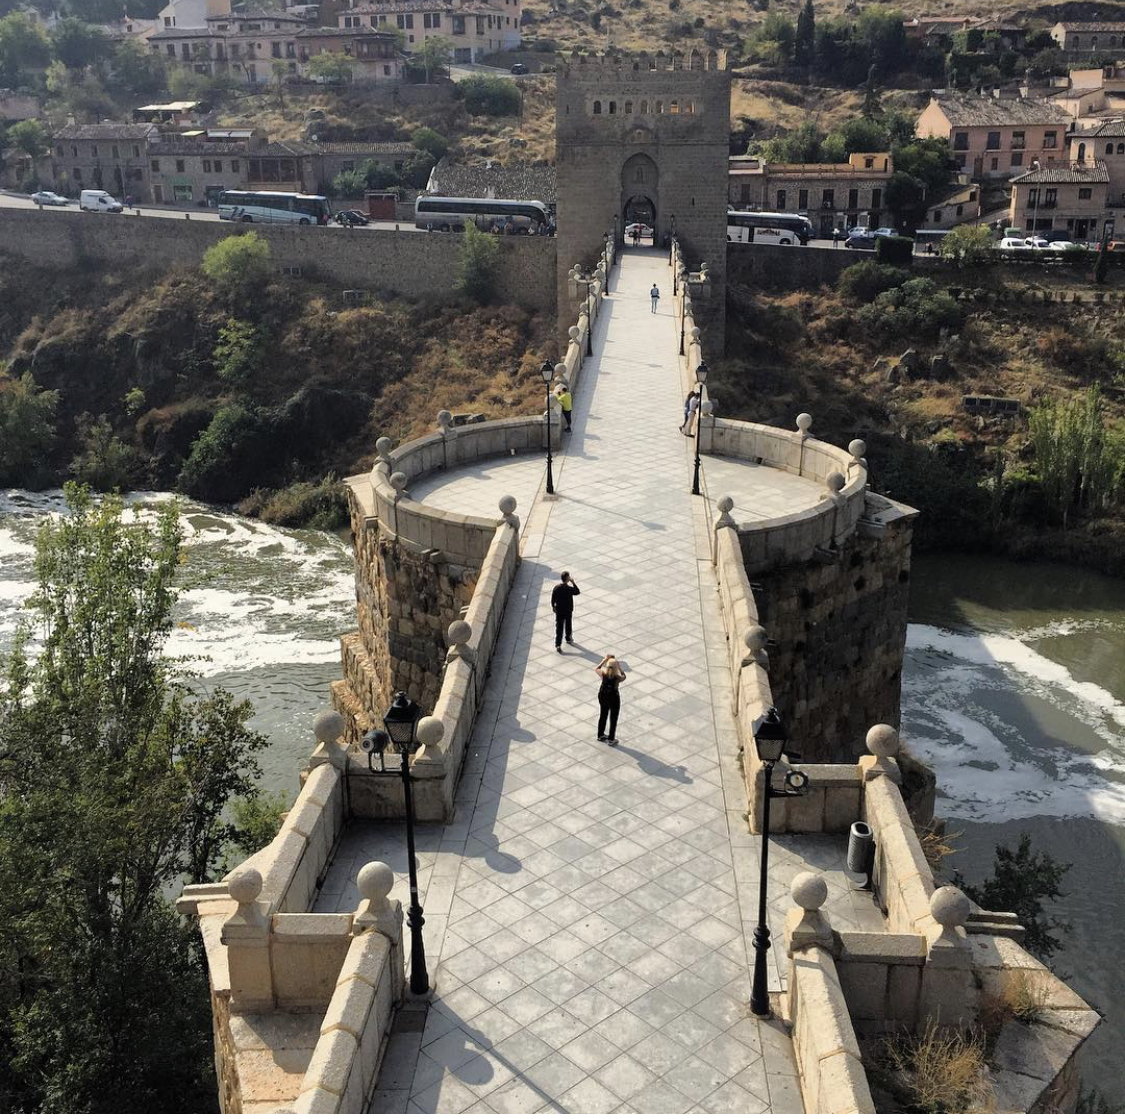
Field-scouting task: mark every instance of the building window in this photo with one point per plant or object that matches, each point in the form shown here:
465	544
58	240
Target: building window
116	152
644	110
94	150
659	106
853	198
136	152
876	198
1033	196
781	200
78	173
960	210
1121	149
387	71
171	49
59	150
180	166
1051	196
868	163
993	141
1085	194
1081	153
995	163
1018	141
597	108
155	165
960	141
1109	149
275	49
628	108
1050	139
1017	159
613	107
437	19
74	150
802	200
674	107
207	167
937	215
181	192
234	165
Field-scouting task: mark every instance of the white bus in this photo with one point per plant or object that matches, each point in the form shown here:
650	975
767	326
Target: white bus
446	214
742	225
274	206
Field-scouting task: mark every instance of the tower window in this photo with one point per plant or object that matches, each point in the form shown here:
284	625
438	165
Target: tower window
613	107
628	108
597	108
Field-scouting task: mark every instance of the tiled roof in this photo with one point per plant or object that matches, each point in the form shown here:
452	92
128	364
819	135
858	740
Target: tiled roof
534	181
311	147
342	32
969	111
1066	173
258	13
185	33
109	130
1107	128
1098	27
445	7
195	147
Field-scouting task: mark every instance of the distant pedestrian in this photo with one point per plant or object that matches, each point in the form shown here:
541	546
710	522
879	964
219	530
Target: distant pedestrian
835	238
566	401
654	294
691	403
562	602
609	697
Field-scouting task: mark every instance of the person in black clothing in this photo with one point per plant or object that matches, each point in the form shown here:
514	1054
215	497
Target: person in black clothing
562	602
609	697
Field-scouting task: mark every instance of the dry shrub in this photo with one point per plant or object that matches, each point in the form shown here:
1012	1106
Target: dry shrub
936	843
1027	993
943	1069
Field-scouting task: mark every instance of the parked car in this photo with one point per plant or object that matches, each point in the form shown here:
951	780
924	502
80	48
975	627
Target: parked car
1115	247
1062	246
1037	242
518	68
1013	243
884	231
99	201
351	217
636	226
857	230
864	239
49	198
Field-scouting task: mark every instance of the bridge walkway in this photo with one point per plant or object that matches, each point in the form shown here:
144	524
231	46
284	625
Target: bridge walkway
589	912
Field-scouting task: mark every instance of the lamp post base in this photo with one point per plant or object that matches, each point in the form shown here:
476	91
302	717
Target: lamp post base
419	976
759	994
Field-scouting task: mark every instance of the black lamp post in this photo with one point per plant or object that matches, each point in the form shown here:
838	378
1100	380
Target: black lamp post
700	379
605	238
547	372
770	741
401	721
683	307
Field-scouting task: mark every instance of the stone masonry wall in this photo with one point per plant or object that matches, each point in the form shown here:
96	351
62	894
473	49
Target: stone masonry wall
408	263
405	602
837	633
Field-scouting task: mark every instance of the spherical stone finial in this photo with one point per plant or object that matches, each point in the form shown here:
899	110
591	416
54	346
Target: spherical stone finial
573	333
695	332
444	418
707	407
726	504
245	885
328	726
459	632
375	881
507	505
804	422
809	890
857	448
949	907
430	730
754	638
398	481
882	741
835	482
560	371
383	445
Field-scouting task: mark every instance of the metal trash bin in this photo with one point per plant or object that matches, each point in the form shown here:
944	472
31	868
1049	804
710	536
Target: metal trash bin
861	852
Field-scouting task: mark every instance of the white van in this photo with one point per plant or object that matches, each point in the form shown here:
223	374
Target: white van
100	201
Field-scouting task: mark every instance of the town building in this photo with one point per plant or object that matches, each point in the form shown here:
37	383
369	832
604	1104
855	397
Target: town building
960	206
246	45
168	113
105	156
830	194
15	107
994	138
1105	143
475	27
1089	37
191	13
1064	195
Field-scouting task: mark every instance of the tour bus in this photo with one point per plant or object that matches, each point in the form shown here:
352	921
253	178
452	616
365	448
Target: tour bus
445	214
274	206
742	225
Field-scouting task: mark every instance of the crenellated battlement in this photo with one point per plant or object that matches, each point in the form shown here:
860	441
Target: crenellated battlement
604	64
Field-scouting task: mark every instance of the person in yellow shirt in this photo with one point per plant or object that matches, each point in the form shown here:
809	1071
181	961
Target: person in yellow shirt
562	394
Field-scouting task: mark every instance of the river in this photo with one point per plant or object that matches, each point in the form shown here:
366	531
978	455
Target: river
1013	688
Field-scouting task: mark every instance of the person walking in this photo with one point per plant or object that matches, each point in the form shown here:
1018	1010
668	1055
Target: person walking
654	294
836	237
691	405
562	394
609	697
562	603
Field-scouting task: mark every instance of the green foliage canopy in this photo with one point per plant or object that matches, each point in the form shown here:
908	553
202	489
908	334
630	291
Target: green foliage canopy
479	266
27	428
490	96
238	266
967	246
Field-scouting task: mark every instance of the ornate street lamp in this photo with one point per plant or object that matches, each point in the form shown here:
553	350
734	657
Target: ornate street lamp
701	372
401	722
770	740
547	371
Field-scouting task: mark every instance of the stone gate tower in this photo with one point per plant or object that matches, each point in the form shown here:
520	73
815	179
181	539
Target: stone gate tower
643	137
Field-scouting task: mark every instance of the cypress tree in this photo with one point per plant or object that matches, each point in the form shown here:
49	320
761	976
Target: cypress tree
805	45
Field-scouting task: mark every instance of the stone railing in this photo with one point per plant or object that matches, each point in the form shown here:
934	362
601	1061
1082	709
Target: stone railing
287	984
845	985
589	297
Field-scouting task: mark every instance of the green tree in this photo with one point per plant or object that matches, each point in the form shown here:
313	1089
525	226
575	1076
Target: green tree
967	246
434	55
136	72
76	44
416	173
332	67
489	96
427	140
238	353
774	41
29	137
804	44
280	75
27	428
872	102
1022	880
238	266
114	781
22	44
105	462
349	184
223	454
479	265
802	145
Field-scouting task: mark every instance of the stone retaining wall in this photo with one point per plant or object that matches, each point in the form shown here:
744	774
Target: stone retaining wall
413	264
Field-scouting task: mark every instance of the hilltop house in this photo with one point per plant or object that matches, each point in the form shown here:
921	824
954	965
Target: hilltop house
1089	37
475	27
1105	143
1069	196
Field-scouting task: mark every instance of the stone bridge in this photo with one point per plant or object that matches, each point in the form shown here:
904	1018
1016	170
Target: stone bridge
590	909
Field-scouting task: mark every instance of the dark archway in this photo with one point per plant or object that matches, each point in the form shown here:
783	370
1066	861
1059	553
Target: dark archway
640	190
640	208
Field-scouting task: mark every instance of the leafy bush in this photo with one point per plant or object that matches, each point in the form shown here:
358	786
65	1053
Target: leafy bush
27	428
238	353
349	184
257	820
479	266
105	462
918	309
862	282
894	250
322	505
222	455
490	96
238	265
967	246
942	1069
427	140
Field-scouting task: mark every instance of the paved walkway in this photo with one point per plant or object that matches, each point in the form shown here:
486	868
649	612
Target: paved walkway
589	911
